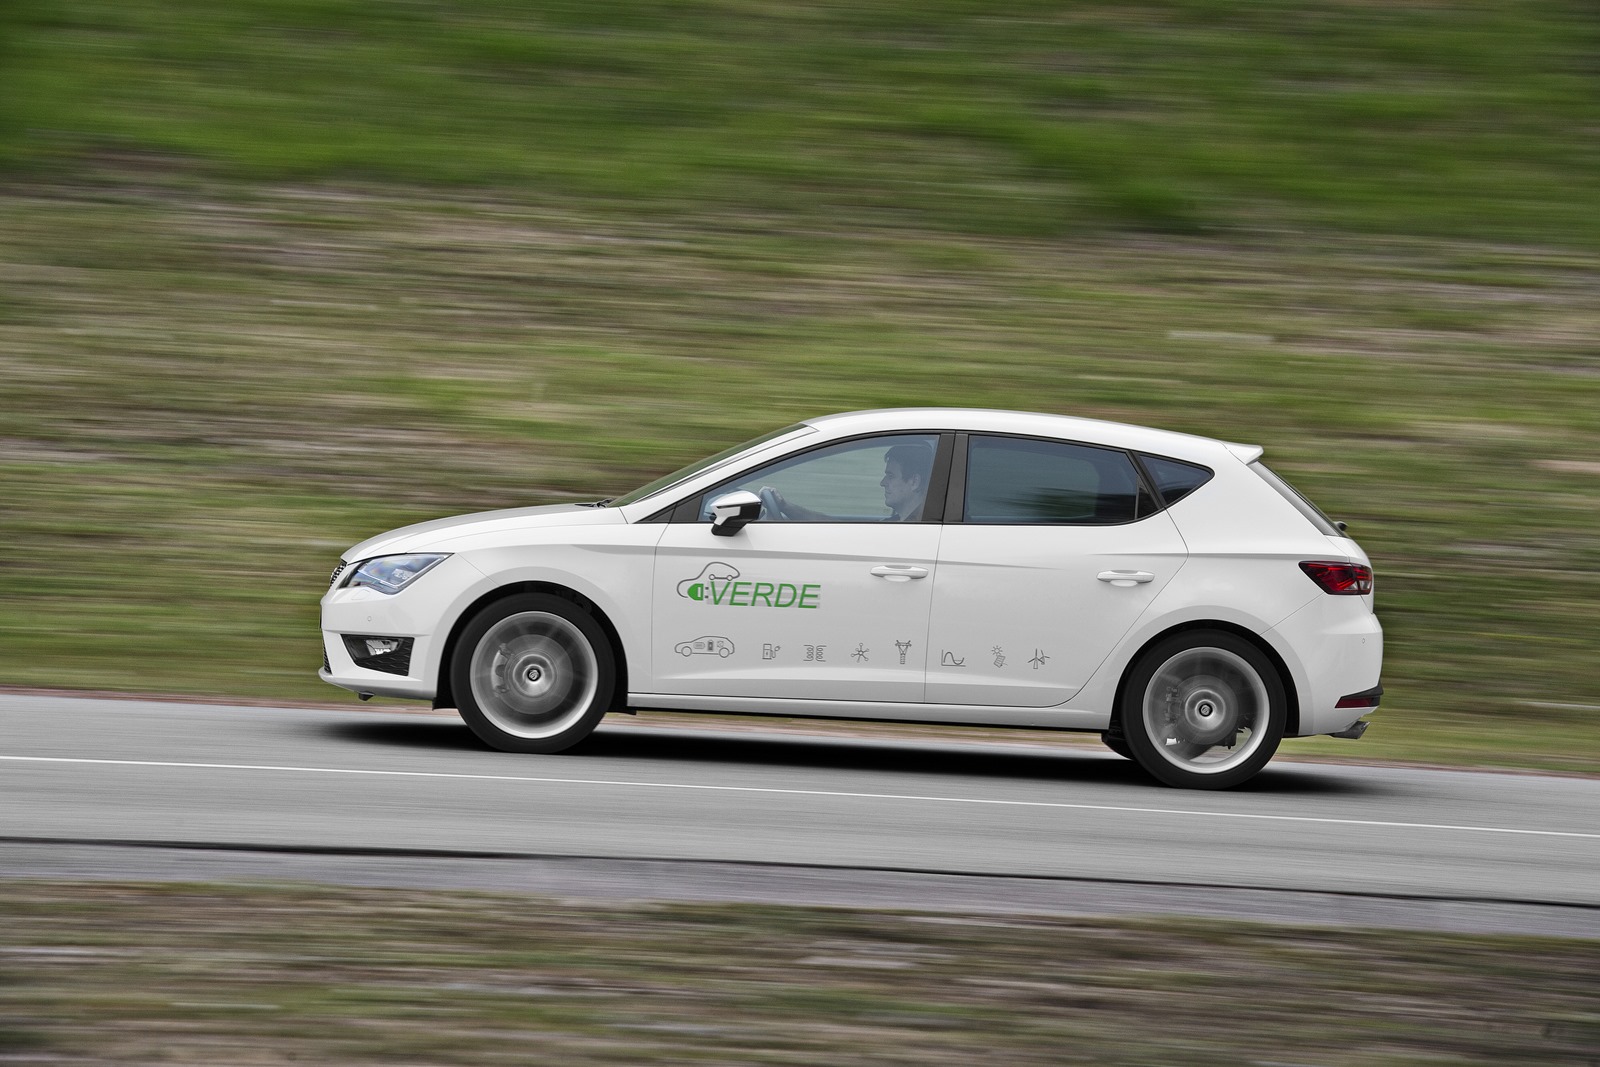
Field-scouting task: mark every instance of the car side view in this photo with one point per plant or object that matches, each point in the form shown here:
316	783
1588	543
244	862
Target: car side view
1166	591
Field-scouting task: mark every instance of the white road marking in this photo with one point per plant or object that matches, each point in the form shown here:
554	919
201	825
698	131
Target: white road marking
801	792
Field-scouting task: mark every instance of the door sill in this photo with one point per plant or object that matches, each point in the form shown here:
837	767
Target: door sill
1056	718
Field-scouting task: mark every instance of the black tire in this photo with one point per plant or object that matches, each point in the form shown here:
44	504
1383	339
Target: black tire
533	673
1203	709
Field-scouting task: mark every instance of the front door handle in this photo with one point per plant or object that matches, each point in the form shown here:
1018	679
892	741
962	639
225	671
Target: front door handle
897	573
1126	578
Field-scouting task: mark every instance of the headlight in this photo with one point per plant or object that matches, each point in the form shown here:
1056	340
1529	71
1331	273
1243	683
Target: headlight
390	574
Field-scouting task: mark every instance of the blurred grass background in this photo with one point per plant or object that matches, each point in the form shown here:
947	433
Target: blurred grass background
278	274
216	974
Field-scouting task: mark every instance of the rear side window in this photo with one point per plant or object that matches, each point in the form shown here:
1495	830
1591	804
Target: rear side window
1174	479
1019	481
1304	506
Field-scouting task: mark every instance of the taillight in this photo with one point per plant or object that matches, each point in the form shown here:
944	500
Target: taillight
1339	579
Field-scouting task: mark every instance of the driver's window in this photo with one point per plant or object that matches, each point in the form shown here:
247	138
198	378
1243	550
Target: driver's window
880	479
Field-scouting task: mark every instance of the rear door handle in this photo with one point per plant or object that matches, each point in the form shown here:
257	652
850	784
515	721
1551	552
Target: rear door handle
898	573
1126	578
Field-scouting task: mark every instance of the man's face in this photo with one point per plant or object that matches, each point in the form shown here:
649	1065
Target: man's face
899	492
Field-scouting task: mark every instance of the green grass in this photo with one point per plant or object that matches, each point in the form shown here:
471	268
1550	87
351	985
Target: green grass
138	973
213	391
279	274
1465	118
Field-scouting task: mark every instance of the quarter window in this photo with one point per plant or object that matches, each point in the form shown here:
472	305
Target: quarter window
1174	479
1021	481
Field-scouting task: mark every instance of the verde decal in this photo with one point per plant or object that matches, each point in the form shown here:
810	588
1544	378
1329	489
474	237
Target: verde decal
719	584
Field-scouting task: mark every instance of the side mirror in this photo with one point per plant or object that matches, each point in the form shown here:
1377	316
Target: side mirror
730	514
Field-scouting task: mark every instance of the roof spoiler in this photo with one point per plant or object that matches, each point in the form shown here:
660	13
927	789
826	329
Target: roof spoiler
1246	453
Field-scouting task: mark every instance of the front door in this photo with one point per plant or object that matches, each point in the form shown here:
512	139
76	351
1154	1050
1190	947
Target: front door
825	597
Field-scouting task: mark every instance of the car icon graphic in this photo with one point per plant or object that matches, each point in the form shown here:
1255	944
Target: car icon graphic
707	646
699	587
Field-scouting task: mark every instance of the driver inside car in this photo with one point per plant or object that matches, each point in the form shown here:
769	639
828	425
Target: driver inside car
906	470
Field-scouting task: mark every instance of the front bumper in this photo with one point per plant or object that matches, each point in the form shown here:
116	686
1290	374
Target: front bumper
419	612
340	670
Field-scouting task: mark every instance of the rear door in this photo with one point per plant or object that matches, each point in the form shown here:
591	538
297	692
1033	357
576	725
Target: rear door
1052	551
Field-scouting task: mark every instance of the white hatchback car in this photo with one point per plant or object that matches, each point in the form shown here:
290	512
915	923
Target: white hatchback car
923	565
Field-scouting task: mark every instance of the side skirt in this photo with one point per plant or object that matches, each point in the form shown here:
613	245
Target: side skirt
1057	718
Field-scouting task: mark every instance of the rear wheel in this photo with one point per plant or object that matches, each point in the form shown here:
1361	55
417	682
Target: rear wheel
1203	709
533	673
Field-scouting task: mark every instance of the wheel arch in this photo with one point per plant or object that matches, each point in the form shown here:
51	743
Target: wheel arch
1292	712
444	696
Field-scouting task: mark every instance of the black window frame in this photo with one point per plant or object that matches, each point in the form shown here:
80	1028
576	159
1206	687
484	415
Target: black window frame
1138	459
956	494
687	510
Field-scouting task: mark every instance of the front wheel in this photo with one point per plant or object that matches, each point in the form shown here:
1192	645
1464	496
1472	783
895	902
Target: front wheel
1203	709
533	673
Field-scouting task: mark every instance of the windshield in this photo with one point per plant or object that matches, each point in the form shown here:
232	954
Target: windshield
666	481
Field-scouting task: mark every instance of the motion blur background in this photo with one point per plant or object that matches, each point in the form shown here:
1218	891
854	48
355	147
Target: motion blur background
279	274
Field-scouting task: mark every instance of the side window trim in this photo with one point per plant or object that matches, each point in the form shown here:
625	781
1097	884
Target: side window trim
956	501
936	503
687	509
1147	491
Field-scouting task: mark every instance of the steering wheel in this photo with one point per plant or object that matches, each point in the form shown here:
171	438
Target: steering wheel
770	508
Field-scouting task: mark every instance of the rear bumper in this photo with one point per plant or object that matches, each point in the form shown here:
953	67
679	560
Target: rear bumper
1367	698
1334	648
1354	732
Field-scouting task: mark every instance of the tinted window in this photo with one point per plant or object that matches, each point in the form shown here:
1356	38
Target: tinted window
1174	479
1011	480
880	479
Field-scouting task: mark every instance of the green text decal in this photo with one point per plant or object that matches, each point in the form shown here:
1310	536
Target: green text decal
719	584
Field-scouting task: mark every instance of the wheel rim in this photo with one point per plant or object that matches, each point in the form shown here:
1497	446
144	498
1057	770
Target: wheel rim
534	674
1206	710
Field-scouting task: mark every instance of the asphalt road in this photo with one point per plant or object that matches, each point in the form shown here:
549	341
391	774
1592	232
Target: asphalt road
130	789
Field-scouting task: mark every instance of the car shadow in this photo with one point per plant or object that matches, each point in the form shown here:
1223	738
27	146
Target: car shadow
903	756
449	735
